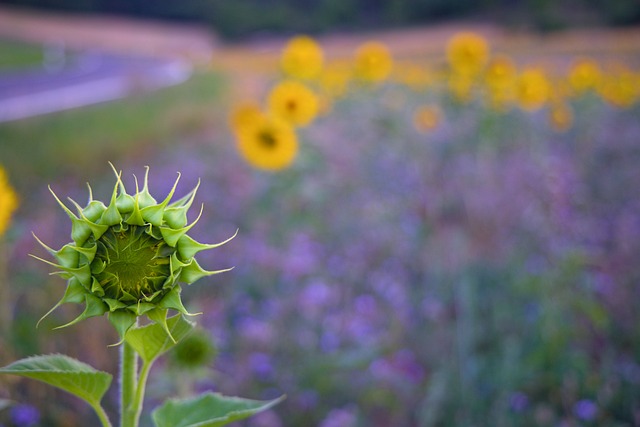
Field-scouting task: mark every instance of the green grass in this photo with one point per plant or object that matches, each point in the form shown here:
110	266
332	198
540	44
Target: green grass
14	55
74	142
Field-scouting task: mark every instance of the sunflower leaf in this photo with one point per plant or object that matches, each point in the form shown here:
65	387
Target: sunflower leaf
65	373
208	410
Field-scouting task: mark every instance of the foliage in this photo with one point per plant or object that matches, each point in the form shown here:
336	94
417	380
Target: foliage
241	18
16	55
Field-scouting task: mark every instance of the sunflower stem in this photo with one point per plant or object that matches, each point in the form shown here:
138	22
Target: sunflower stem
140	390
128	380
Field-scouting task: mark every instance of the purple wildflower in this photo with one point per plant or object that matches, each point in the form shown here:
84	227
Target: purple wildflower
25	415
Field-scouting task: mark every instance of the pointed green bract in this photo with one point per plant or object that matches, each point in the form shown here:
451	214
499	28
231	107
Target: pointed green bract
128	257
208	410
122	320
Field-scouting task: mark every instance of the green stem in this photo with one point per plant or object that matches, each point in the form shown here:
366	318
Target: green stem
128	379
140	390
104	419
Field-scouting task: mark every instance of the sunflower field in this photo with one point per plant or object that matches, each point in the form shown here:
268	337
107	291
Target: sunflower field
448	240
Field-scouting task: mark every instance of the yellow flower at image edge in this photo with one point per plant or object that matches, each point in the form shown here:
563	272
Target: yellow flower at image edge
620	88
293	102
302	58
128	258
8	202
270	143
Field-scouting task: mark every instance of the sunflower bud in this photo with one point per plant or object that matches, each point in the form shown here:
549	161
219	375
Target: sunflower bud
195	351
129	258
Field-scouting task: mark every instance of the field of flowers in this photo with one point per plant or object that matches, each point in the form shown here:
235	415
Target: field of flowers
450	242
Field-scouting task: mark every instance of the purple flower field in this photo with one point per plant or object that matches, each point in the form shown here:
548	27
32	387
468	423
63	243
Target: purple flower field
484	273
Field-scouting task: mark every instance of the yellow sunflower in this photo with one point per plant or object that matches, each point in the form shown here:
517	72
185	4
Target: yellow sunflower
8	202
293	102
302	58
467	53
533	89
426	118
244	114
500	82
584	75
334	79
500	70
373	62
269	143
621	87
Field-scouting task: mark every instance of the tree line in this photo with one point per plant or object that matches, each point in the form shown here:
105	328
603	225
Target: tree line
242	18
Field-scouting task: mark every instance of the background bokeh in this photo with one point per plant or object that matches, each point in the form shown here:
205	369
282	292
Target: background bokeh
453	244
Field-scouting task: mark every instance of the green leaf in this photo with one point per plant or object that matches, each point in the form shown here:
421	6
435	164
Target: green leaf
65	373
150	341
208	410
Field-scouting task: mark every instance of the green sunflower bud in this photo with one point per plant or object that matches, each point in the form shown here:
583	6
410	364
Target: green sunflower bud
194	352
130	257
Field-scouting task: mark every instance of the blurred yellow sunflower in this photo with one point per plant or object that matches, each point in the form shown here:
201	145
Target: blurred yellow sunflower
560	116
8	201
244	114
500	82
302	58
467	53
500	70
293	102
334	79
533	89
373	62
269	143
426	118
584	75
620	87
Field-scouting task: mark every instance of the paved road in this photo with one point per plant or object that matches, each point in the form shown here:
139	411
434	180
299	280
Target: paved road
89	78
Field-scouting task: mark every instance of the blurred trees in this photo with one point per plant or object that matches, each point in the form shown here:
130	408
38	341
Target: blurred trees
238	18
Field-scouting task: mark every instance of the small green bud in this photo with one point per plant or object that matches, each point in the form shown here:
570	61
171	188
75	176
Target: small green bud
130	257
195	351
